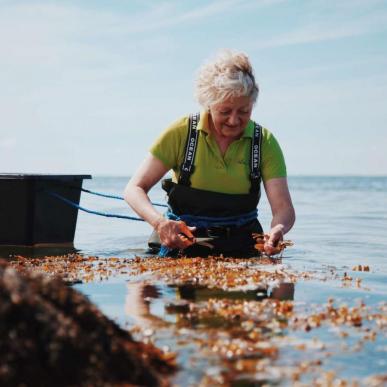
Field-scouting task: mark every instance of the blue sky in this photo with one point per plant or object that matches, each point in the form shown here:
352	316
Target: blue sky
86	86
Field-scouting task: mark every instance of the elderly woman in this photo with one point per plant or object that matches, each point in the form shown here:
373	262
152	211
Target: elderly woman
219	158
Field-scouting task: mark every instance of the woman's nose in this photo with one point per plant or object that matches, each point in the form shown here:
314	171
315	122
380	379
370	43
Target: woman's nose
233	119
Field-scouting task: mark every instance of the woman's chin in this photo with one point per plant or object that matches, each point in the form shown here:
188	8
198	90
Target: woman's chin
231	133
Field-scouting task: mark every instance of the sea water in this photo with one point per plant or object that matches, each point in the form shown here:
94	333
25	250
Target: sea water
341	222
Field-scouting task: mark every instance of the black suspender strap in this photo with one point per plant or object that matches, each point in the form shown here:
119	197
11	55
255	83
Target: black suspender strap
187	166
255	159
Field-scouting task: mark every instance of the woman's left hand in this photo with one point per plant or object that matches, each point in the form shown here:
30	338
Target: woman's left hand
282	209
276	235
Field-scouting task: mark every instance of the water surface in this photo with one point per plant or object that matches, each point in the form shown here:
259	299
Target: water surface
341	222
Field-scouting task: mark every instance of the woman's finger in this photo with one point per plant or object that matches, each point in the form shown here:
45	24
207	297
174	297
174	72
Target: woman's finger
185	229
185	241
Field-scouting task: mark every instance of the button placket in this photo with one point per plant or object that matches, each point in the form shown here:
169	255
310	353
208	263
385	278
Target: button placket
213	146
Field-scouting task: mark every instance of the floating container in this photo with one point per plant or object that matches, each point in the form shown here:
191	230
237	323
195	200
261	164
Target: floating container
30	215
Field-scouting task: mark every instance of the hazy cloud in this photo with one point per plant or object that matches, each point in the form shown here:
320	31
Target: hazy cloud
339	26
80	80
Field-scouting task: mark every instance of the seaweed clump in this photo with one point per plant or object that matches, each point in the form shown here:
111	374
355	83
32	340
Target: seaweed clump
51	334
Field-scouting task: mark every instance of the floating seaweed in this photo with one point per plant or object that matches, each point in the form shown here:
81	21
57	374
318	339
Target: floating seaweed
236	318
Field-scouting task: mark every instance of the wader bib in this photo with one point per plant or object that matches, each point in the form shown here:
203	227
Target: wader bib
228	218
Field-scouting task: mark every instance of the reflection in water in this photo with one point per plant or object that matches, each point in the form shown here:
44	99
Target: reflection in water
283	291
137	304
141	296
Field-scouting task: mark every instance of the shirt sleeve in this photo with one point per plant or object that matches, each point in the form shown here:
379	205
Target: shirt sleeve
169	146
273	161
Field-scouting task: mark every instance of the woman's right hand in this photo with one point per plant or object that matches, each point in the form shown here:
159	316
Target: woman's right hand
175	234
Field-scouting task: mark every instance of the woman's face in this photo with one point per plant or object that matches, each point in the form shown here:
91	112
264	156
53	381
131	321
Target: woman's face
230	117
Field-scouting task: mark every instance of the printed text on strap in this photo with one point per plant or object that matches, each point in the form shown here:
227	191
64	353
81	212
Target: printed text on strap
255	160
187	167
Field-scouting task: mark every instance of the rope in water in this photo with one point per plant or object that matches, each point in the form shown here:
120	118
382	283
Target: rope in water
114	196
164	251
75	205
198	221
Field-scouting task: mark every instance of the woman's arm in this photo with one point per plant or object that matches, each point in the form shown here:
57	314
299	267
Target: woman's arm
149	173
277	192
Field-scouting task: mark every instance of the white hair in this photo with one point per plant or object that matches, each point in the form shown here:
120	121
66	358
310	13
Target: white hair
228	75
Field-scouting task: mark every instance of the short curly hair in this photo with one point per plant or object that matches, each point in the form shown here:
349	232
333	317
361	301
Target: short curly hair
228	75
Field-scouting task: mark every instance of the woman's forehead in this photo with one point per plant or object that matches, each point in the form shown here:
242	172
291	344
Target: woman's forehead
235	102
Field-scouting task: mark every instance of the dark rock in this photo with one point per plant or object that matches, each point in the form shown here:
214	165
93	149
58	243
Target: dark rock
51	335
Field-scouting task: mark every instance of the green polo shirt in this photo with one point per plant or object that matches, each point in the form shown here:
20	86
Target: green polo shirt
214	172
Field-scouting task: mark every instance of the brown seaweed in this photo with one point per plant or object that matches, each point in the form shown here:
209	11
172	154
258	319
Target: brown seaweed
51	335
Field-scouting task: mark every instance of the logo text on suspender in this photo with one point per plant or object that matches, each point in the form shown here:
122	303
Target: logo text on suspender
256	152
190	151
191	148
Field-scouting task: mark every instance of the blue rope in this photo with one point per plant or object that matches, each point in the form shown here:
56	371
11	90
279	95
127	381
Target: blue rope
114	196
191	220
75	205
207	221
211	221
166	251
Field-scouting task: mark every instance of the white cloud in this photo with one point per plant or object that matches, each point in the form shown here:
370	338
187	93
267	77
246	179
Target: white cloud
174	13
77	82
337	25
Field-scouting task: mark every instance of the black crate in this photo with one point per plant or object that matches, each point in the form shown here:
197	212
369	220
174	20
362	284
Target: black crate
29	215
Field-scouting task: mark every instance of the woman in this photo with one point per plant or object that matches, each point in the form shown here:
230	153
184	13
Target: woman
219	159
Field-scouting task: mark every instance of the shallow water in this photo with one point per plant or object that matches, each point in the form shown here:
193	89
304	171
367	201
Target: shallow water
341	222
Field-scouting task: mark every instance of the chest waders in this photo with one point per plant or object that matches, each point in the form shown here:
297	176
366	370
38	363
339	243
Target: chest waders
228	218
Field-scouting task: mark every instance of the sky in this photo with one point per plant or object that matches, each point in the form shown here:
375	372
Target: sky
87	86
